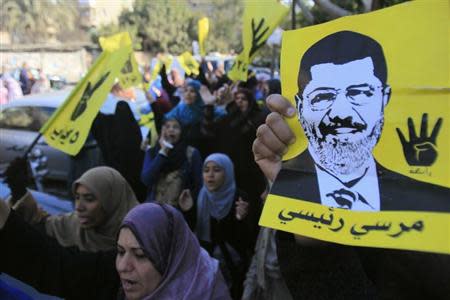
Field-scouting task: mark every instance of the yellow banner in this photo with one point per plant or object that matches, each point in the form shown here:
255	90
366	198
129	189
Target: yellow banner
390	229
372	93
129	74
203	29
189	64
148	120
259	21
69	126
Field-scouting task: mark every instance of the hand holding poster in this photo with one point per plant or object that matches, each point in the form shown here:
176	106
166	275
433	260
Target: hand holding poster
259	21
69	126
370	163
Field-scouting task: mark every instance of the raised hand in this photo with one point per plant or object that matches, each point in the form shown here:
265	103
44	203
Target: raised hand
17	178
207	97
420	150
273	137
185	201
241	209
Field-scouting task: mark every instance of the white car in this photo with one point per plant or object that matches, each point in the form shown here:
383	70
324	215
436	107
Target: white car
21	120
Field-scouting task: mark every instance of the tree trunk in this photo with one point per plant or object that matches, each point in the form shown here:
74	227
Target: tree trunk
331	9
306	12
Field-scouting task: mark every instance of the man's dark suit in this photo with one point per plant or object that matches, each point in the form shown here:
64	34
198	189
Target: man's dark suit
298	179
346	272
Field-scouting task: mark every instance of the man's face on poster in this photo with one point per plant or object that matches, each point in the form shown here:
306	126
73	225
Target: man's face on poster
341	111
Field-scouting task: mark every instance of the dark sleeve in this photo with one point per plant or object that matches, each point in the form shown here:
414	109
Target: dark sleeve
190	216
33	258
209	125
158	114
402	274
196	174
329	271
169	88
201	77
151	168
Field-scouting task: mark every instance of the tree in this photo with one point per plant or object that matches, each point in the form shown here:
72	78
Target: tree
32	21
225	18
326	10
156	26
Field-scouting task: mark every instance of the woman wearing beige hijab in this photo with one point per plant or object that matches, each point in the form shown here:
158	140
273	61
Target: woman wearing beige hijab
102	199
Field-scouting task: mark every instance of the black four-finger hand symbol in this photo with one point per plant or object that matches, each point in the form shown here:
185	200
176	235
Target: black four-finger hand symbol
420	150
87	94
258	33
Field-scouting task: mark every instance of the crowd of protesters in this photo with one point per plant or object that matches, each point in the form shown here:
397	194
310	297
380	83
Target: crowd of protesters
196	236
200	176
27	83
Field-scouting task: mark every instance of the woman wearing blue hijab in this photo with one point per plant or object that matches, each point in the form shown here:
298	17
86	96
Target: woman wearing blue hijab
221	224
190	113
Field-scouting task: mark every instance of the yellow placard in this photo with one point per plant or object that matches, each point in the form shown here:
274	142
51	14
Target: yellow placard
372	129
189	64
390	229
259	21
129	74
203	29
148	120
69	126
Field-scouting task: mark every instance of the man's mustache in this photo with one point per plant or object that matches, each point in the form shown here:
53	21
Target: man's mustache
332	125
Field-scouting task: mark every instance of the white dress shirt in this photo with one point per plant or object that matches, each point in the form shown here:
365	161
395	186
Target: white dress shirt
367	187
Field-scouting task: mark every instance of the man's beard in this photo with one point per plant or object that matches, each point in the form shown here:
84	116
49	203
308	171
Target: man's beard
342	157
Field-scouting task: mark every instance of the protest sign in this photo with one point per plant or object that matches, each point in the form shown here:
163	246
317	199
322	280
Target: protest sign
370	163
129	74
69	126
189	64
203	29
259	21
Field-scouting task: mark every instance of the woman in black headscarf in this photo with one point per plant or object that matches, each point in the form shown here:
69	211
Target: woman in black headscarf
119	138
171	167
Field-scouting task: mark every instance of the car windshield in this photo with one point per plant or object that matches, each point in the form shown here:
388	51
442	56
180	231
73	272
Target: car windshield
29	118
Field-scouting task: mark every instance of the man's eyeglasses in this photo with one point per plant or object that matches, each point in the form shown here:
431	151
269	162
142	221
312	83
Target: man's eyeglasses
323	97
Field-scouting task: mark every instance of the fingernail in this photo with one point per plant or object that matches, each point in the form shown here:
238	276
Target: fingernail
290	112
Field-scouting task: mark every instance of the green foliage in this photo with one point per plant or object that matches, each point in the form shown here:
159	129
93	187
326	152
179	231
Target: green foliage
31	21
171	25
225	17
353	6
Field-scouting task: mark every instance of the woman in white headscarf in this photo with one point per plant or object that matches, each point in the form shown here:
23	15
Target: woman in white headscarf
221	224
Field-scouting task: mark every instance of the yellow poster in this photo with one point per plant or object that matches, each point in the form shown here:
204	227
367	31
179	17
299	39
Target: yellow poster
69	126
259	21
129	74
203	29
370	166
189	64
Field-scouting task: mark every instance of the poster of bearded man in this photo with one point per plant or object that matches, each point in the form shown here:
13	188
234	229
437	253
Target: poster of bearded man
360	173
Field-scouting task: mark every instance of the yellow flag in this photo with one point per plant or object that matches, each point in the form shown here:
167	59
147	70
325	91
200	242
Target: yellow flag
167	60
189	64
155	71
203	29
370	163
69	126
259	21
129	74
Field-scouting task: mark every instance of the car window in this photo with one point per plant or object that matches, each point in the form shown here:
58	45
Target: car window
25	117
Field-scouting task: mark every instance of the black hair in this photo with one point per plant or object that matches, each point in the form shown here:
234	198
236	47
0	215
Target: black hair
340	48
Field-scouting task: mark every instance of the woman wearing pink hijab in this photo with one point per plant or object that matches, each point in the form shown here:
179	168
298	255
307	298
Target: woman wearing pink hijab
157	257
156	245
